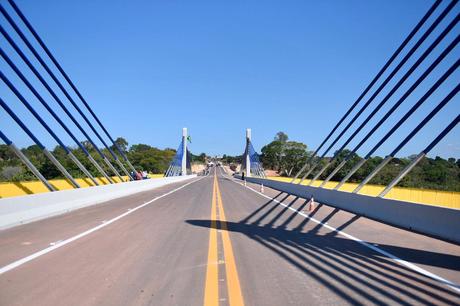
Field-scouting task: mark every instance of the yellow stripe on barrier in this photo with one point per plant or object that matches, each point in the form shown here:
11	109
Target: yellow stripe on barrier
14	189
449	199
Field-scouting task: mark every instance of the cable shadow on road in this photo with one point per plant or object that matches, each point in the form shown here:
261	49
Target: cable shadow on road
262	207
350	270
353	272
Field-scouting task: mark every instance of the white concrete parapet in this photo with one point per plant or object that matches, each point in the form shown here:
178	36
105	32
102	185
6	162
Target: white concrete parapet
28	208
441	222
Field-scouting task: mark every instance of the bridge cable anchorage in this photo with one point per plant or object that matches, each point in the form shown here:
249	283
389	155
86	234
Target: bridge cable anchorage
251	165
424	75
72	85
40	145
404	118
366	90
419	157
61	104
387	159
38	117
393	90
181	163
45	125
26	161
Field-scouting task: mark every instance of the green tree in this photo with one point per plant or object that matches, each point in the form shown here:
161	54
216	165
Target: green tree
293	158
284	156
281	137
199	158
272	155
121	143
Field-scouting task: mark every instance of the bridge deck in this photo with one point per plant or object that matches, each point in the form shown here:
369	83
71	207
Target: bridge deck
217	240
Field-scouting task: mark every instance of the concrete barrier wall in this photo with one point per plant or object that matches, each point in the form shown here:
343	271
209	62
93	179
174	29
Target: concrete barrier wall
449	199
28	208
14	189
435	221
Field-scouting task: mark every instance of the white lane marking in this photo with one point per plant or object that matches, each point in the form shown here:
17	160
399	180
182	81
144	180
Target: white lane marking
55	242
62	243
403	262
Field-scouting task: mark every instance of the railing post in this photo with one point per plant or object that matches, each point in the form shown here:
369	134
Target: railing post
382	164
60	167
352	171
27	162
402	174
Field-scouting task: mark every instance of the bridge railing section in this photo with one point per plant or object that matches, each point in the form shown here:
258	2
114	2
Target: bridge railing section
432	220
449	199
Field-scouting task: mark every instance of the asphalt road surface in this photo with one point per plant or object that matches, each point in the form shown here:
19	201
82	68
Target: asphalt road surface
213	241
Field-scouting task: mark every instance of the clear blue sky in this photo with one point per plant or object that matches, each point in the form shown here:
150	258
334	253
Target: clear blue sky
149	68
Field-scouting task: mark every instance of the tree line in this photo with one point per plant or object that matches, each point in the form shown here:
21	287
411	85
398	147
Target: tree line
144	158
287	158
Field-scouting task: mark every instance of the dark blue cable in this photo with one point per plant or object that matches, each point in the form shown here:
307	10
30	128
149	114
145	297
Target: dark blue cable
53	59
31	109
413	109
407	75
21	124
442	134
396	69
410	90
5	139
382	70
426	119
37	74
32	49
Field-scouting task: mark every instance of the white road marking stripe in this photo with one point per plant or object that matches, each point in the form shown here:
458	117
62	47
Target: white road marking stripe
403	262
62	243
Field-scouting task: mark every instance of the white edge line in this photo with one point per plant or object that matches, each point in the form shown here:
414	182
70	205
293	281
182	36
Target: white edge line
403	262
62	243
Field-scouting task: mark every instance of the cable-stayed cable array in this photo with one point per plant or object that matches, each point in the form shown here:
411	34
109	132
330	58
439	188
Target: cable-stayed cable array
367	89
175	167
251	158
256	165
449	50
21	96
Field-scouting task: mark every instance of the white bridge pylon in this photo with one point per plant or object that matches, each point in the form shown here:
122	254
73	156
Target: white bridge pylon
251	165
180	165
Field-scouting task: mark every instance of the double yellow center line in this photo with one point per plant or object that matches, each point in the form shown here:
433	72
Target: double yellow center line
211	294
